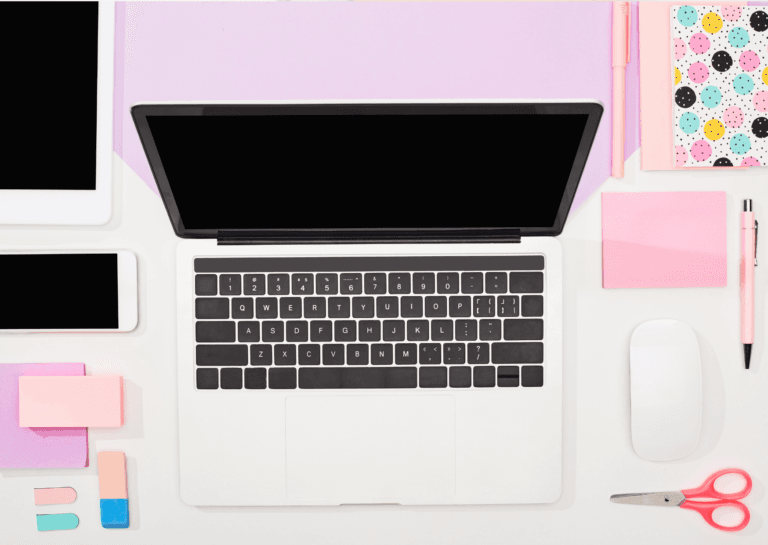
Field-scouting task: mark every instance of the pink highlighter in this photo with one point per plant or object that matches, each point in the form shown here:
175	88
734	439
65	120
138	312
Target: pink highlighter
748	263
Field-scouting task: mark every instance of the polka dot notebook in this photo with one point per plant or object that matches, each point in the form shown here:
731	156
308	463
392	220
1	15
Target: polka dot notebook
720	63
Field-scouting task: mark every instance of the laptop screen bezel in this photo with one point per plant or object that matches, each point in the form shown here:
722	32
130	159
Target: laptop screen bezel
593	110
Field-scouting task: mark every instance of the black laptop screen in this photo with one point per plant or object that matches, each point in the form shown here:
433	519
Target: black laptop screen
367	171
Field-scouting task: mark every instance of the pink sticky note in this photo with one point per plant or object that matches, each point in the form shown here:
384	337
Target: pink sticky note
91	401
54	496
664	240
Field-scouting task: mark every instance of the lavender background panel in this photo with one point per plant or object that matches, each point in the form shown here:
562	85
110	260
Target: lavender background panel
181	51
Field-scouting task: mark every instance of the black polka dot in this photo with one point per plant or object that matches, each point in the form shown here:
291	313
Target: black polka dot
759	21
722	61
723	162
760	127
685	97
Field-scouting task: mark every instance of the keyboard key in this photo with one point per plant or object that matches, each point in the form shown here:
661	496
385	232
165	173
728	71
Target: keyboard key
290	307
471	282
314	307
460	377
321	331
433	377
532	305
394	330
261	354
229	284
210	308
296	331
272	332
221	354
333	354
242	308
418	330
254	284
523	330
484	377
232	379
285	354
399	283
442	330
405	354
345	331
357	354
205	284
302	284
466	330
369	330
375	283
248	332
207	379
436	306
338	307
430	354
484	306
255	379
363	307
517	353
533	375
526	282
490	330
447	282
382	354
278	284
309	354
282	379
266	307
351	283
215	332
327	284
423	282
508	376
478	353
496	282
411	307
454	353
386	307
507	306
360	378
460	306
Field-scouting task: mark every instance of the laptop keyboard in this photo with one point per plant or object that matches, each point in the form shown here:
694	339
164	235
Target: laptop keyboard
369	322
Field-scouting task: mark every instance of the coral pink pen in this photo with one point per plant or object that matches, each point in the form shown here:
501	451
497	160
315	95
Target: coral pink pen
748	263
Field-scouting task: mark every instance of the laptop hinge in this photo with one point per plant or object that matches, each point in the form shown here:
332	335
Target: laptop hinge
379	236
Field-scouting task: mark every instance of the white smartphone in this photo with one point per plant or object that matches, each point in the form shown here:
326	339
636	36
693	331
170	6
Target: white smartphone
68	291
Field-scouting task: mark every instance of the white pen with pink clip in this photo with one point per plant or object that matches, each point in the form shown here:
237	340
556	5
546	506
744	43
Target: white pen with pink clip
748	264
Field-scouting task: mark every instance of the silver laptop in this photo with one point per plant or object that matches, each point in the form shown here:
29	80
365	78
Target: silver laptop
369	299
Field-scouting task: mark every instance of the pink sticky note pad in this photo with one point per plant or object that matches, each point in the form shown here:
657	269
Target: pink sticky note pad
113	483
90	401
664	240
54	496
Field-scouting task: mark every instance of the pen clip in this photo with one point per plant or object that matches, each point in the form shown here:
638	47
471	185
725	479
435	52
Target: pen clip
755	243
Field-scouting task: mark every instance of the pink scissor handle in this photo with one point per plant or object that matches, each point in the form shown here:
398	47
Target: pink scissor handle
706	508
707	490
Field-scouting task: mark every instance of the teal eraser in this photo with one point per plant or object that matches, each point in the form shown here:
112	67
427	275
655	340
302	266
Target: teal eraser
63	521
114	513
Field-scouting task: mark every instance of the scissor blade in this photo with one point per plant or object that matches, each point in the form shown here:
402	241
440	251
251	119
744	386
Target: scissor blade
661	499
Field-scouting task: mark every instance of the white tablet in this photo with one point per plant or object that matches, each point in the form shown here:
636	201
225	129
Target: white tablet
57	63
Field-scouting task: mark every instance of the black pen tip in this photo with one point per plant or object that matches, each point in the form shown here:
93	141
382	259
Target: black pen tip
747	355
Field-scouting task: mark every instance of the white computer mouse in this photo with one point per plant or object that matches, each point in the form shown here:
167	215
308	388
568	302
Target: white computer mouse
665	385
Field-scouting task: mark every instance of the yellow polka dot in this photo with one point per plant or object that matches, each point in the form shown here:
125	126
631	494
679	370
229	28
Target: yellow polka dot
712	22
765	75
679	76
714	130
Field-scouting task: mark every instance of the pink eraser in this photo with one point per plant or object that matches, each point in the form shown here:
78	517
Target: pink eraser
53	496
113	484
71	402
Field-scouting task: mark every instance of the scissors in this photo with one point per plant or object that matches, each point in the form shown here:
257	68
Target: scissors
705	491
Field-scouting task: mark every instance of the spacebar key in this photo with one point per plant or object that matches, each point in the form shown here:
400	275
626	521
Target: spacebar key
343	378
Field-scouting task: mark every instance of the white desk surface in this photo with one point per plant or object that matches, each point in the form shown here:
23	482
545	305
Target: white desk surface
598	455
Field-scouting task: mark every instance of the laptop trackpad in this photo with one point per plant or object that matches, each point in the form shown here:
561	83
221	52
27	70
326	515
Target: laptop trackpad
371	449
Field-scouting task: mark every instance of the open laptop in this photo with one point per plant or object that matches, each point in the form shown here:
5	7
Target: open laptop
369	297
